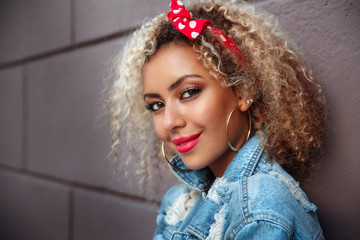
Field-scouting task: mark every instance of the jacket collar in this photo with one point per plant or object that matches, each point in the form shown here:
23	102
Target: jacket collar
242	165
244	162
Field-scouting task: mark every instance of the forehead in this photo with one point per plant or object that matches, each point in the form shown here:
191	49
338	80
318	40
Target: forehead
169	63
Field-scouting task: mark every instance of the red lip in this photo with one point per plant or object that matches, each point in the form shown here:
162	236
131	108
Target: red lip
186	143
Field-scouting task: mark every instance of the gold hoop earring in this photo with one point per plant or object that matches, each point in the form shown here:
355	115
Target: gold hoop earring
227	128
172	165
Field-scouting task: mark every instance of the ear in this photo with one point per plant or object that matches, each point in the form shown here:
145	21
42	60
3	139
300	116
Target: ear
244	103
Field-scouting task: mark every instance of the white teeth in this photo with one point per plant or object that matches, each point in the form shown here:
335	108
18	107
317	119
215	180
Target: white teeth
182	144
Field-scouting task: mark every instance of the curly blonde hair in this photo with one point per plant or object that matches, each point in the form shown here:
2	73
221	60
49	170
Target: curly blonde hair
288	108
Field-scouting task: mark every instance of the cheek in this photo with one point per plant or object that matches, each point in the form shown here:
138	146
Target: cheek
214	113
213	110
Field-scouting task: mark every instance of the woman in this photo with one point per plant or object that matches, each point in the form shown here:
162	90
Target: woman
241	111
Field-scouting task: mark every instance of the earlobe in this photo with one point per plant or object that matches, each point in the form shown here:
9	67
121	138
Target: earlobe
244	103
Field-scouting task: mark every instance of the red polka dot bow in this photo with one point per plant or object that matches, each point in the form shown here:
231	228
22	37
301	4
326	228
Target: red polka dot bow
182	20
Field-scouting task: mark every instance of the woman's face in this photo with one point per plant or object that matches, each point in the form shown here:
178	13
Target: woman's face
190	109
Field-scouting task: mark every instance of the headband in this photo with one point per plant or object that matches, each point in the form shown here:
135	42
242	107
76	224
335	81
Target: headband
191	28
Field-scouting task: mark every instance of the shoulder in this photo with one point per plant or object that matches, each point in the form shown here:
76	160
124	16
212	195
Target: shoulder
268	187
263	230
271	198
274	189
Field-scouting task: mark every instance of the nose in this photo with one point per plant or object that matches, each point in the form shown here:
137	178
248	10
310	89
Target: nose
173	118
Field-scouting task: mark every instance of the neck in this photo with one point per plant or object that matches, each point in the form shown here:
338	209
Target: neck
218	168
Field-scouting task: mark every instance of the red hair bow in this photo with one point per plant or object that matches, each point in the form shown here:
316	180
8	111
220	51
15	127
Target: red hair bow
181	19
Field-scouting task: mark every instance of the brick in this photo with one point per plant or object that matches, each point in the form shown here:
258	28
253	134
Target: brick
94	18
65	139
11	117
101	216
32	209
32	27
67	135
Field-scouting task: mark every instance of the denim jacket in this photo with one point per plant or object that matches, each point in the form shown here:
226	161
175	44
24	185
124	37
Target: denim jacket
254	199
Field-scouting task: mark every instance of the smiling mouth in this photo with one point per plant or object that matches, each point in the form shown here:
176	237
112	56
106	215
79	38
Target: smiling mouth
185	144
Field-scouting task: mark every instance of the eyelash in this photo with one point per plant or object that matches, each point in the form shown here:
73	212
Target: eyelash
192	91
150	106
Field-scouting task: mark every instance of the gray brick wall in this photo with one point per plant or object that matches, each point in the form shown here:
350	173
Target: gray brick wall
55	179
11	117
98	18
32	27
63	96
32	208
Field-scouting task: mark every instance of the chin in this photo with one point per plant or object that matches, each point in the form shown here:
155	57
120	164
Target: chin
194	165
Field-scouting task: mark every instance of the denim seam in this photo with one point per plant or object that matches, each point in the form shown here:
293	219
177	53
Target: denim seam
244	180
196	231
252	162
167	233
179	233
261	217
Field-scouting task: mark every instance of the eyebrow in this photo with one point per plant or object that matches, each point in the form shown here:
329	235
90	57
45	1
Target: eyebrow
151	95
181	79
174	85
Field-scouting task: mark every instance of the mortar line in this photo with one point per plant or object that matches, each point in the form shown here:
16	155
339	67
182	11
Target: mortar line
25	118
71	215
66	49
74	184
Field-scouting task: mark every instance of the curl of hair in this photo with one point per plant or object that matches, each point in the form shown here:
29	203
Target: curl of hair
288	108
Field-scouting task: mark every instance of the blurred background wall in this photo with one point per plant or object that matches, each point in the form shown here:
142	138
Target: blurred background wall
55	179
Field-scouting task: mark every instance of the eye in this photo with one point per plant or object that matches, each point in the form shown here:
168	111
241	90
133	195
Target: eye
189	92
153	107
